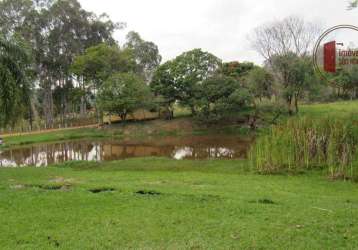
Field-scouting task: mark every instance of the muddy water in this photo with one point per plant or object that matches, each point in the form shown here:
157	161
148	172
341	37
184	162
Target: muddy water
190	147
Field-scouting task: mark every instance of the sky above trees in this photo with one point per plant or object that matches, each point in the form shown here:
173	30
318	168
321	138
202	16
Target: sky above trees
218	26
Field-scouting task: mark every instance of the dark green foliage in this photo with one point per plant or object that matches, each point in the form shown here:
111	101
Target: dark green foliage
346	80
295	77
14	80
57	32
100	62
260	82
124	93
221	97
180	79
163	83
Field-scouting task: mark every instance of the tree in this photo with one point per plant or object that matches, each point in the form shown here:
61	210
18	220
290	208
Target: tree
291	35
347	80
162	85
295	76
221	96
180	79
57	32
14	15
286	46
260	82
122	94
145	53
99	63
15	89
236	69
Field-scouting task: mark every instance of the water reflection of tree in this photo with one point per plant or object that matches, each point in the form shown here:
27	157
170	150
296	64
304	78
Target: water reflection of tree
42	155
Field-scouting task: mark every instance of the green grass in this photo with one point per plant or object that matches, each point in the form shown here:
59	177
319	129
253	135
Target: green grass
163	204
335	109
157	203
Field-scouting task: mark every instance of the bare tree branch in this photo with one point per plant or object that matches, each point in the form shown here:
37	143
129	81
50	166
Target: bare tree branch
291	35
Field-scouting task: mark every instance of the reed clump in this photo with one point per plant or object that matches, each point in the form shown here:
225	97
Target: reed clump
306	143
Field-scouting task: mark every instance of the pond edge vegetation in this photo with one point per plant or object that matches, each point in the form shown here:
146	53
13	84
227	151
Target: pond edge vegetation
305	143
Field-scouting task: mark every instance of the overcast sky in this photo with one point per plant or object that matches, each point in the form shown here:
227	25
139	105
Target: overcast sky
218	26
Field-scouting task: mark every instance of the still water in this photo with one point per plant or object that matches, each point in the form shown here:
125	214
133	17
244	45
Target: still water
190	147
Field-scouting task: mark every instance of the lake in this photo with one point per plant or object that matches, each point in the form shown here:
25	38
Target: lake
179	148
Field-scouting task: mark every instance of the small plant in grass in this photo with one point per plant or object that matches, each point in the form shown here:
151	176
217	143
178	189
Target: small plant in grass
305	143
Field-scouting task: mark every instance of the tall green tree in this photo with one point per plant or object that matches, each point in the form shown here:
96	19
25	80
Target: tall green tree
222	97
346	80
71	31
146	55
180	79
101	62
15	88
260	82
295	76
123	93
57	31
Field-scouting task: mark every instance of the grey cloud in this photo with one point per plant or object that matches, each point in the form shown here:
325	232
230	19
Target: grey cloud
218	26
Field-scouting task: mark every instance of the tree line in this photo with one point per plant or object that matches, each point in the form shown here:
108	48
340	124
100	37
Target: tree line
59	61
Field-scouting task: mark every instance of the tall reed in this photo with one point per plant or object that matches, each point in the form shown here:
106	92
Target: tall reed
305	143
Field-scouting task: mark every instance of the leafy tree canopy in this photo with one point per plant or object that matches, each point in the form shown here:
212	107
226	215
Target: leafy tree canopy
102	61
295	75
237	69
146	54
14	80
260	82
180	79
124	93
220	97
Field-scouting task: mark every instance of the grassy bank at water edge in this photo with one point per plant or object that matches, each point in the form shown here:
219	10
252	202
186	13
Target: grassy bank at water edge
156	203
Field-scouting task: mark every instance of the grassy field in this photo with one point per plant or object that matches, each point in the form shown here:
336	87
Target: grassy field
335	109
157	203
162	204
